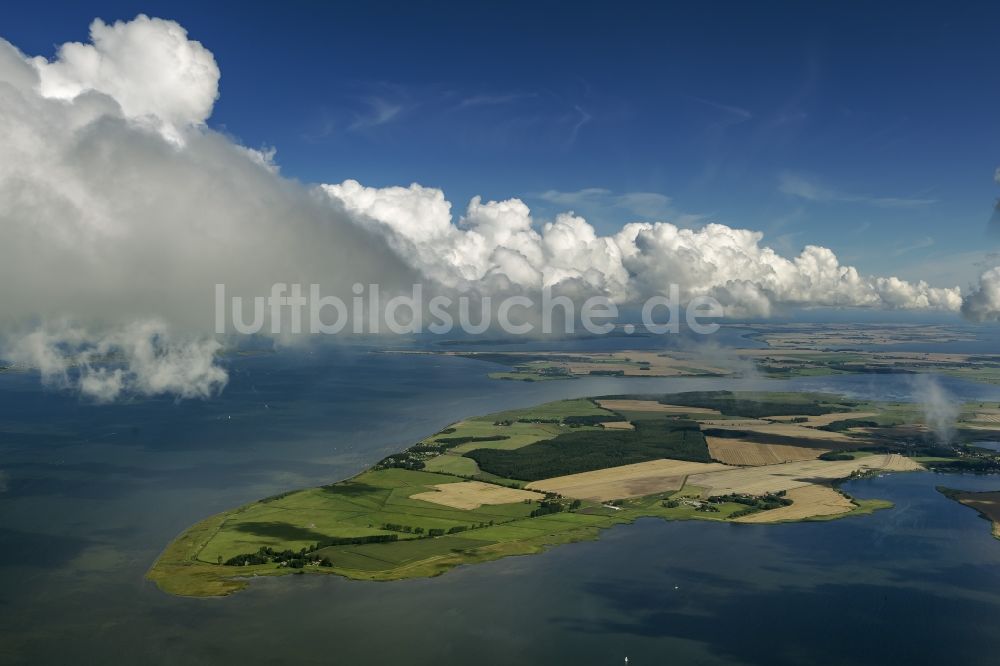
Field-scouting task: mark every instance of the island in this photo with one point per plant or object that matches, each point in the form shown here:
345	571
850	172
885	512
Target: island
778	363
792	350
519	482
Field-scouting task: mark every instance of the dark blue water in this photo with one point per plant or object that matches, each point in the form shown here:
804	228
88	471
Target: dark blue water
91	494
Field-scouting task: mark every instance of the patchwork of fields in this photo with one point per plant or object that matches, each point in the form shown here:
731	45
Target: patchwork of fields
786	476
540	366
359	507
519	481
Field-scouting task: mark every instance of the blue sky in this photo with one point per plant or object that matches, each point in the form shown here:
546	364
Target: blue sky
873	131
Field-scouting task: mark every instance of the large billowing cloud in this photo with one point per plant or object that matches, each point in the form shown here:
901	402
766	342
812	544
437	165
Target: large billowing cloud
120	210
983	302
148	66
500	239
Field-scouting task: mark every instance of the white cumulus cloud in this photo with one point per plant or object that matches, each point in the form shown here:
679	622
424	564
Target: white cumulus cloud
983	302
500	239
140	358
147	65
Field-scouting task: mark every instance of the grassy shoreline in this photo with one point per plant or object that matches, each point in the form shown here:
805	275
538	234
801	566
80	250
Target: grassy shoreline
179	571
985	503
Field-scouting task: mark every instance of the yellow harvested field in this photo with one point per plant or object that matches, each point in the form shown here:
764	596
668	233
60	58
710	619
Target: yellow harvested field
655	476
786	476
652	406
617	425
792	430
987	417
741	452
473	494
807	502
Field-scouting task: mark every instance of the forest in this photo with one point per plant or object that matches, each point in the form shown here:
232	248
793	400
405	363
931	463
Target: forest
586	450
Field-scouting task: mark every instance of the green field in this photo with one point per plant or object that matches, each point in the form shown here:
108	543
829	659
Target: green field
355	508
452	464
518	427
